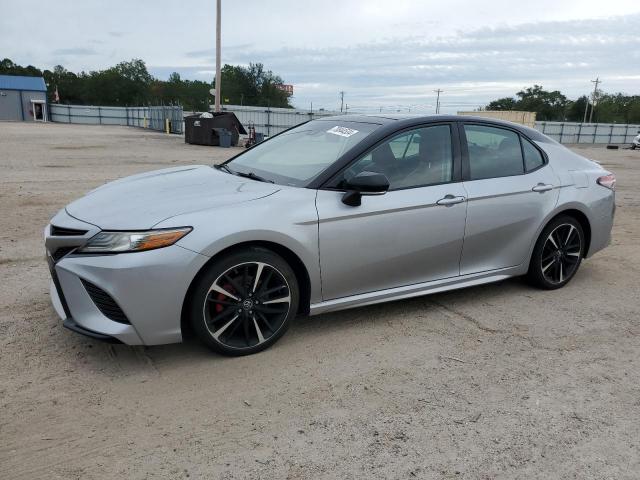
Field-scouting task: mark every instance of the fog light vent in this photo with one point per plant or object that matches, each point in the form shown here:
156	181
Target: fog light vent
107	305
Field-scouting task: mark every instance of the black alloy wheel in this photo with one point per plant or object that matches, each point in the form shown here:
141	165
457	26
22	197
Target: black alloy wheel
246	302
558	253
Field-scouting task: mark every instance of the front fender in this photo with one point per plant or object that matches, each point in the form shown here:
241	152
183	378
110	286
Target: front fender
287	218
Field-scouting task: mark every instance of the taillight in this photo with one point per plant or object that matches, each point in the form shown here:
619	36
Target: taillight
608	181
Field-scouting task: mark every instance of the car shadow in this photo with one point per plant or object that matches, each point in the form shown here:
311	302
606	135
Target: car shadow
140	359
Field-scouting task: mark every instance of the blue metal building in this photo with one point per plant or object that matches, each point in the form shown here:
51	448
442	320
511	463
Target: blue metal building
23	98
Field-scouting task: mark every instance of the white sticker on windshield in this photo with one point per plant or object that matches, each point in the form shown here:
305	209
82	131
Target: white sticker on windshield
342	131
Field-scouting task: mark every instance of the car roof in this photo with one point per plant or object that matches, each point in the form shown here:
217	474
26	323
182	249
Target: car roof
376	119
402	120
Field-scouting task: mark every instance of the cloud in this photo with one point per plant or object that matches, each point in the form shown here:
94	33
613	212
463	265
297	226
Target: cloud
74	51
472	66
380	56
210	53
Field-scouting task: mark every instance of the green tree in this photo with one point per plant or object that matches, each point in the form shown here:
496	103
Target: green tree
7	67
127	83
506	103
547	105
252	85
617	108
576	109
130	83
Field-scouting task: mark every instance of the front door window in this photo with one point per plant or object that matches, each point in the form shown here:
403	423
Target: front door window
416	158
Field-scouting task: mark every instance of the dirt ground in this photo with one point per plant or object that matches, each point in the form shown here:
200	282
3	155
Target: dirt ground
494	382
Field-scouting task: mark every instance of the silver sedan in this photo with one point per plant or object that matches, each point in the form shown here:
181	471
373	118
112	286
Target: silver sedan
331	214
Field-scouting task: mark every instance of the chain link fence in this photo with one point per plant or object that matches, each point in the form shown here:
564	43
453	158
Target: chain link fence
574	132
154	118
270	121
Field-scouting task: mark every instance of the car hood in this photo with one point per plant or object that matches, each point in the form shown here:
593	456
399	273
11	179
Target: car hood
142	201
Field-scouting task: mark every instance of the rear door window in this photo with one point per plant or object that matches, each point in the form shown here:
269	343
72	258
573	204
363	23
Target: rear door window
493	152
532	157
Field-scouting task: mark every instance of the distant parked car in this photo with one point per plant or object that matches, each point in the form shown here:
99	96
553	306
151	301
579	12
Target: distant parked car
332	214
636	142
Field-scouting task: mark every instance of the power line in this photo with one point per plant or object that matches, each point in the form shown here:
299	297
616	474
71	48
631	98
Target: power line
438	91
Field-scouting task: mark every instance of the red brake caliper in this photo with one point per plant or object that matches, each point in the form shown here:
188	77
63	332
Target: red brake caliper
221	296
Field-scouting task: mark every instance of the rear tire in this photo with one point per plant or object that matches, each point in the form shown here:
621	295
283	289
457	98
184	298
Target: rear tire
244	302
557	254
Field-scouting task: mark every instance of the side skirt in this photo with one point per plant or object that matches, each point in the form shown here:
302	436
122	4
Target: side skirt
416	290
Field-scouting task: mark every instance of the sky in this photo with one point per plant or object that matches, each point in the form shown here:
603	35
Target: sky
385	55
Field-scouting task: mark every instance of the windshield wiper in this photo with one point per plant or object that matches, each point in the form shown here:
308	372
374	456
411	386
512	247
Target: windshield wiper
224	167
253	176
250	175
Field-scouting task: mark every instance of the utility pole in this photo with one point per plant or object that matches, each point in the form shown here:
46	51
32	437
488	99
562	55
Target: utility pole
438	91
595	95
341	101
218	74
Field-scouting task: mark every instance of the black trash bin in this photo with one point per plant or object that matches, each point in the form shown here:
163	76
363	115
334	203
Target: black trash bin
201	130
196	131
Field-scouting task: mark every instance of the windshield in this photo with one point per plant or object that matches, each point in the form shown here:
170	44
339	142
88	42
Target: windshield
300	154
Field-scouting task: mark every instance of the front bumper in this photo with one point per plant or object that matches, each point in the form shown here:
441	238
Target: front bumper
149	288
70	323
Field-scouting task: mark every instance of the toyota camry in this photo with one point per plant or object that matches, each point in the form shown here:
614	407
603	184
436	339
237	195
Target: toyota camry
335	213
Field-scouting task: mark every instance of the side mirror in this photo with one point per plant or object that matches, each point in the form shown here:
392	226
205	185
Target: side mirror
364	183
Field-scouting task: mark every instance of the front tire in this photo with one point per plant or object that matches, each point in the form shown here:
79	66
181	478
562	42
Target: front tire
244	302
557	254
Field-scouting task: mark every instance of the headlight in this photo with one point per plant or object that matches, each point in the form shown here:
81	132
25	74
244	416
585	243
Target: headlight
116	242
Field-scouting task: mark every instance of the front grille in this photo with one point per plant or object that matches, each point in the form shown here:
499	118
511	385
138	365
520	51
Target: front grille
66	232
61	252
107	305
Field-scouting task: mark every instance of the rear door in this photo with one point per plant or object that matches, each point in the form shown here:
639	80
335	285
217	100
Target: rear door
409	235
511	189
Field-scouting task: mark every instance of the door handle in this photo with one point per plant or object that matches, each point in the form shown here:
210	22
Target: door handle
542	187
450	200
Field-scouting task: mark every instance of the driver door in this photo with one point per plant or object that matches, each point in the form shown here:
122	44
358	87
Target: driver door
411	234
